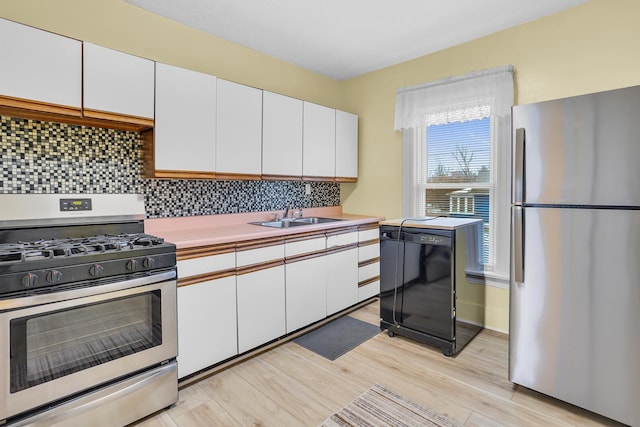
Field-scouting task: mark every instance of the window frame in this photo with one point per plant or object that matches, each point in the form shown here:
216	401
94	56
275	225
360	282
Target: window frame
415	185
442	101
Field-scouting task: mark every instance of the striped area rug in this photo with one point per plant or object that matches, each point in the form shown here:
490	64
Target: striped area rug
381	407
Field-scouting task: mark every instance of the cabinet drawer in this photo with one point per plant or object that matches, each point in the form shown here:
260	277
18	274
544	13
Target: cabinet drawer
368	252
371	234
342	239
206	264
259	255
300	247
368	291
368	271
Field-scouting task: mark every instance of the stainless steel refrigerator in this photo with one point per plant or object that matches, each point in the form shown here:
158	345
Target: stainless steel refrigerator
574	330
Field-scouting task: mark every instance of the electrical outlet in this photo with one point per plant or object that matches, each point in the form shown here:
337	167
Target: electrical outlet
307	189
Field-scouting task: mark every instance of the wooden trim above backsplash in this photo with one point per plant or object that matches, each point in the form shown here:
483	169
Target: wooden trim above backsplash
35	110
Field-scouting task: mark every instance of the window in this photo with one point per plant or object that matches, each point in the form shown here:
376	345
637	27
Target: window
459	174
456	156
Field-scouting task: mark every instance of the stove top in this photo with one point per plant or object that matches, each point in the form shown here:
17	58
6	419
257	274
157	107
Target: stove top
50	241
44	265
75	247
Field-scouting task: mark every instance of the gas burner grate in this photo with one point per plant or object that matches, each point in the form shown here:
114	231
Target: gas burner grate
71	247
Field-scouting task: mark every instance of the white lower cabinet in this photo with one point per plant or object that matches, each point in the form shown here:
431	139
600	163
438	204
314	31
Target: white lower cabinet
370	290
261	307
254	297
306	292
368	271
207	329
342	279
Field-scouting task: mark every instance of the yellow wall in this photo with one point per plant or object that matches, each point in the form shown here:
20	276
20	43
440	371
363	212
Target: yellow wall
589	48
585	49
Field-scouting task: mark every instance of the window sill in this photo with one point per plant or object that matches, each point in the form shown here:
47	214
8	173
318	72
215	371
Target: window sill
487	278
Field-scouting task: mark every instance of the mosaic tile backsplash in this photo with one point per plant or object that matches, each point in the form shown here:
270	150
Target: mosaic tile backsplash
47	157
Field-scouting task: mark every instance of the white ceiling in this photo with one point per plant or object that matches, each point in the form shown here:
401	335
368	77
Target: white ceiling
346	38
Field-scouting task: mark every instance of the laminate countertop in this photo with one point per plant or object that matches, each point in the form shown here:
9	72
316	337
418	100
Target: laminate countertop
210	230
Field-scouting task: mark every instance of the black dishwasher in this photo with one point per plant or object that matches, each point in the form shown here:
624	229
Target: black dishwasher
418	287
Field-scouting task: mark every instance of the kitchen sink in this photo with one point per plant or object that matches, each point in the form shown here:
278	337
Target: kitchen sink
316	220
286	223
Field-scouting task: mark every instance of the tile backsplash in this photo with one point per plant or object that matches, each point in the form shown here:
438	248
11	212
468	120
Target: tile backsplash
47	157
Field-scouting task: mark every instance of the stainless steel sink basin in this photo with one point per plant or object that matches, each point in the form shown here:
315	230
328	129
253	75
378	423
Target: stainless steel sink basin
286	223
316	220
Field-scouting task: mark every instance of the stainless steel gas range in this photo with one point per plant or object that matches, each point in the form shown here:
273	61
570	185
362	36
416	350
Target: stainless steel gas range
88	332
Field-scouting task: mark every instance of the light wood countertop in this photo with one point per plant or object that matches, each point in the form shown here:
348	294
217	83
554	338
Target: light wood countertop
442	223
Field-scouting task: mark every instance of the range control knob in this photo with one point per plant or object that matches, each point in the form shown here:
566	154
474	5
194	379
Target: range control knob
96	270
149	263
54	276
29	280
132	265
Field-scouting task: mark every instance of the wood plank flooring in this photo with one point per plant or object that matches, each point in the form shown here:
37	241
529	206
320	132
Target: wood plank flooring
292	386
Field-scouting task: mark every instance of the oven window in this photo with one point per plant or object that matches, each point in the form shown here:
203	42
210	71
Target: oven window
54	344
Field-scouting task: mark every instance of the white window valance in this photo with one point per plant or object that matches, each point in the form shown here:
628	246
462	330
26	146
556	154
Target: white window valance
480	93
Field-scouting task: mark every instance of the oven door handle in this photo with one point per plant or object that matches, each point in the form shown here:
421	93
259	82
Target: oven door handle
53	297
72	409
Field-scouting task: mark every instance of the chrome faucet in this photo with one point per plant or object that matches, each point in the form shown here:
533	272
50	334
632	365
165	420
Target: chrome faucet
286	212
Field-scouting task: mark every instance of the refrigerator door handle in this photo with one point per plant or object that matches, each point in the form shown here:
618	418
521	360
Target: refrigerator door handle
518	167
517	223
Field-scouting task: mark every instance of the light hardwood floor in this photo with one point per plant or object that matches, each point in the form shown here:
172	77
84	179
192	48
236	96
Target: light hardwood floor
292	386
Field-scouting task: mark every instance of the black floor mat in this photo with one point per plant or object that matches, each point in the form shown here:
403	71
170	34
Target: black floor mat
337	337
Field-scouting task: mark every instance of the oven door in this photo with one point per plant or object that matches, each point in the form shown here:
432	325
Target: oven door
56	345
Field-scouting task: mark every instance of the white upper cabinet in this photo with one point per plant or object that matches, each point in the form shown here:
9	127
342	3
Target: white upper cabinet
40	66
185	120
238	130
318	141
281	135
116	82
346	146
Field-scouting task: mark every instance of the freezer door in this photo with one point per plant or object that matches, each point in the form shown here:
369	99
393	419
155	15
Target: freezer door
582	150
575	315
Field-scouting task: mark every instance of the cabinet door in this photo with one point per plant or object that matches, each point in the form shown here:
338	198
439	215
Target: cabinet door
116	82
40	66
306	292
207	328
342	279
346	145
185	120
238	129
319	141
261	307
281	135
